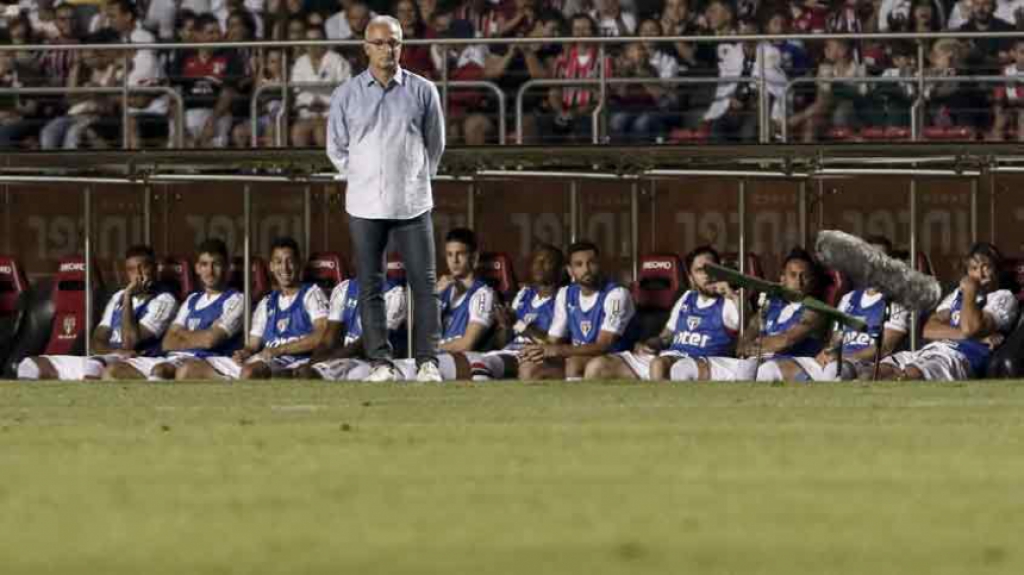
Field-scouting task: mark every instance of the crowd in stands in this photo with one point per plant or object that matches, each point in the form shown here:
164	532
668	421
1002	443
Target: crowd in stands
217	85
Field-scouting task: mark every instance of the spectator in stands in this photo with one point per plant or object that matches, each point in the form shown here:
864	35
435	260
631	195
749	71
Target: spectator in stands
664	62
56	64
416	59
849	17
90	116
920	16
968	325
612	20
269	70
636	108
676	19
837	104
312	104
15	110
1009	98
489	21
224	9
947	104
908	15
350	21
208	323
810	16
985	55
733	113
1005	10
286	327
426	10
592	317
892	101
208	79
571	107
119	335
29	62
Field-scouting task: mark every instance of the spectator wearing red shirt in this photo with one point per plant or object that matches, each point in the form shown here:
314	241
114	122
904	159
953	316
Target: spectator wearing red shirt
416	59
208	79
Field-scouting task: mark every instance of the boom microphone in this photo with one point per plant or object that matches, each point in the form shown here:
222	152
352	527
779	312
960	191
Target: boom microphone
868	267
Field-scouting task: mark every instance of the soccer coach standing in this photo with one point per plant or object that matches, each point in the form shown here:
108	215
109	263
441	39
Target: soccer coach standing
385	133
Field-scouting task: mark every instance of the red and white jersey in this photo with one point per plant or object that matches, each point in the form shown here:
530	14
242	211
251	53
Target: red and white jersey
1014	90
580	62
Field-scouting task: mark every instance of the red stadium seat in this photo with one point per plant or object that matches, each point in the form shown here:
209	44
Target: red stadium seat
68	330
690	136
841	134
13	290
175	274
950	133
885	134
496	269
260	281
326	269
660	282
395	268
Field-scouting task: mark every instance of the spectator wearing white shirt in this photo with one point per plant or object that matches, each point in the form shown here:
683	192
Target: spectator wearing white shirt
350	22
318	64
612	20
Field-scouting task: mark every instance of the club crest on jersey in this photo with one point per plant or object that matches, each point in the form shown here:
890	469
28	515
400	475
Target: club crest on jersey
693	322
69	325
282	324
585	327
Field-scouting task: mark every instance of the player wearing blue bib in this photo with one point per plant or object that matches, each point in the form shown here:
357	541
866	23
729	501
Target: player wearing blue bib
784	328
209	323
888	324
286	326
119	335
592	317
524	322
338	355
701	329
965	328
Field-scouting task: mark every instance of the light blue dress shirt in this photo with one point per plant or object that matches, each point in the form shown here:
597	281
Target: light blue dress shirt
387	142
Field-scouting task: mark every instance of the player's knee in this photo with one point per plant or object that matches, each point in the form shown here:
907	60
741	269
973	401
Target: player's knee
598	368
164	371
912	373
306	372
575	367
660	368
258	370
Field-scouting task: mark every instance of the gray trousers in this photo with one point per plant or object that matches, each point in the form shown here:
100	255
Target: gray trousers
415	241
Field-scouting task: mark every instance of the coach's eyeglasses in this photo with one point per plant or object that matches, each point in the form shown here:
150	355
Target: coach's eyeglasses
381	44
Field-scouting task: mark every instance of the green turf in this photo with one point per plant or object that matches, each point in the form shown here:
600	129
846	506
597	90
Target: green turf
511	478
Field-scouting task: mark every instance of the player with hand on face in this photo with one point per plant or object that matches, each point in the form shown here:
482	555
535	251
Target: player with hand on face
887	321
784	328
287	325
592	318
965	328
700	333
209	323
119	335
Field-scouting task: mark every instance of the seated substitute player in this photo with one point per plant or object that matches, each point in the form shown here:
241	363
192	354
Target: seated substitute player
287	325
526	321
783	328
593	316
209	323
965	328
335	357
119	335
467	308
886	320
701	332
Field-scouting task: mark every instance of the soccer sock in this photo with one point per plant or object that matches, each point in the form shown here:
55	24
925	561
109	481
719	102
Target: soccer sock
769	371
684	370
28	369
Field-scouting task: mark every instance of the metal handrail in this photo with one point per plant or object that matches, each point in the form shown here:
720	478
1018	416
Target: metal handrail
179	121
574	82
919	81
454	84
522	41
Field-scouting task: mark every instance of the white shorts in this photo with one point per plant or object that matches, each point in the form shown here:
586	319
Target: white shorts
228	368
815	372
640	363
78	368
195	120
407	368
938	361
348	369
721	368
145	365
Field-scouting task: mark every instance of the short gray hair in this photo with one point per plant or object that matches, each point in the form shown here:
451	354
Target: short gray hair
385	20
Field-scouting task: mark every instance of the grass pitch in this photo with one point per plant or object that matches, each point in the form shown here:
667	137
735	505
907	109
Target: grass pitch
511	478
